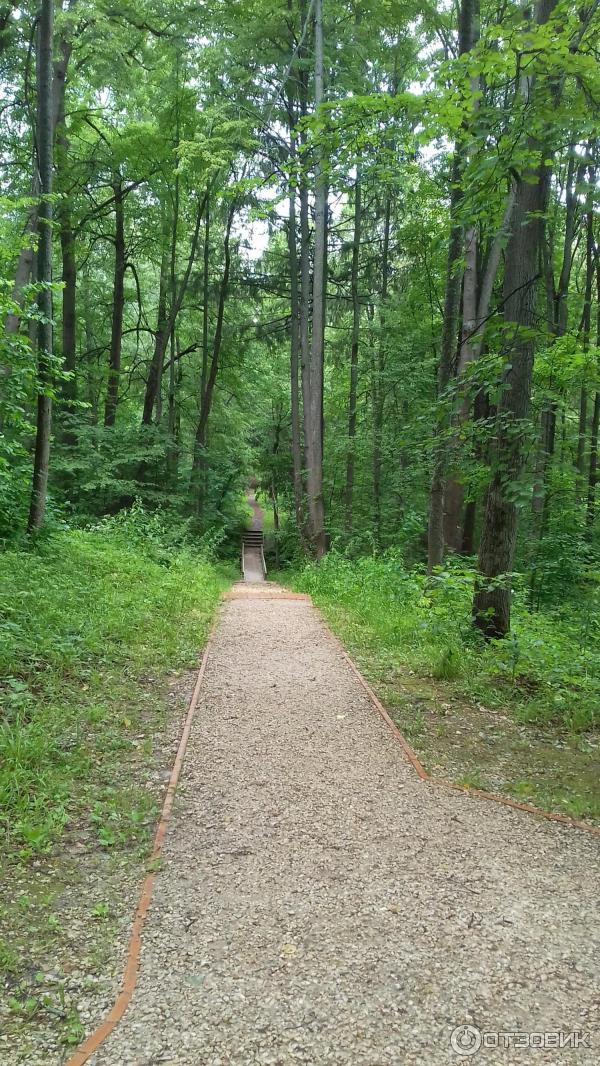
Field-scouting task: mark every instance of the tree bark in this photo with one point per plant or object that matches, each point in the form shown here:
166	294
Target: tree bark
207	398
166	323
435	545
354	348
27	256
45	133
314	422
378	369
492	598
294	324
118	304
593	461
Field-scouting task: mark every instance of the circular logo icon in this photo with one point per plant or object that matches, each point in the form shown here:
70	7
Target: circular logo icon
466	1040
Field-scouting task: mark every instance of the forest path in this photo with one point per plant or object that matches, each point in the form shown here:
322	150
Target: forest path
253	556
320	904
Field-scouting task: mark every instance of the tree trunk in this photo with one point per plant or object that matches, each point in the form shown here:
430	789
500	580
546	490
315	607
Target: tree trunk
435	547
27	257
593	463
166	323
491	603
586	326
118	304
313	418
294	332
454	492
352	397
207	397
45	158
161	339
69	277
378	369
172	456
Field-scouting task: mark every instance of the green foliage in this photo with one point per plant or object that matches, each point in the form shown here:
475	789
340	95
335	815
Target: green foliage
548	671
83	617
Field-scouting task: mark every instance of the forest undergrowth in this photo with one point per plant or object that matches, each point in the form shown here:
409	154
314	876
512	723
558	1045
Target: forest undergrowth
518	715
101	629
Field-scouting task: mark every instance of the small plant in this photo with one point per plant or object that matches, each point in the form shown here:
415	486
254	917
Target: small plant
101	911
448	667
8	958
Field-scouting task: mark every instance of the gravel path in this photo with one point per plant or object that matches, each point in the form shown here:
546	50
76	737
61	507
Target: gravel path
321	905
253	560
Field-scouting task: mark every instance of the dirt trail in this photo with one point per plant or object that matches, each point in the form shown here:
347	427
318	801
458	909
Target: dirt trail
253	565
319	904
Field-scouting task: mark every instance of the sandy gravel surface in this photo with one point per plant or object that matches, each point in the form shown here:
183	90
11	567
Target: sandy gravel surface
253	569
321	905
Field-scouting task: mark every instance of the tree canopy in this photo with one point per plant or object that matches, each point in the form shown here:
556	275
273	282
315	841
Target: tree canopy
349	248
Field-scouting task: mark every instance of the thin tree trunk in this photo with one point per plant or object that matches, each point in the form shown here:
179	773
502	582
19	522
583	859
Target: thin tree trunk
586	326
27	256
294	329
69	277
593	463
314	424
354	347
207	398
45	158
172	455
166	323
118	303
161	339
454	491
435	545
378	369
476	310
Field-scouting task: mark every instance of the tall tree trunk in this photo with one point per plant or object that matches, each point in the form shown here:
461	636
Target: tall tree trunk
118	304
435	546
27	256
207	397
69	278
593	462
454	491
586	327
45	157
294	326
295	363
69	266
491	602
313	418
377	374
353	391
558	323
172	456
166	322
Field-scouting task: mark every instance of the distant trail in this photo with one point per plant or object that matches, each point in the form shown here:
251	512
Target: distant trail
320	904
253	567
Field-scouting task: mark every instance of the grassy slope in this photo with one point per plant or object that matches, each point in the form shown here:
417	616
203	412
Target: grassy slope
98	633
518	716
81	619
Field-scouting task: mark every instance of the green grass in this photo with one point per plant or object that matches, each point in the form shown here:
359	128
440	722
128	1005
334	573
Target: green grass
518	716
547	671
88	620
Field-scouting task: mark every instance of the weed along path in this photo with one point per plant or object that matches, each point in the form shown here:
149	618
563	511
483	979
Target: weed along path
318	903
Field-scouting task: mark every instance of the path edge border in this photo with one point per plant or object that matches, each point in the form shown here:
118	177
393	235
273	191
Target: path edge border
132	959
440	782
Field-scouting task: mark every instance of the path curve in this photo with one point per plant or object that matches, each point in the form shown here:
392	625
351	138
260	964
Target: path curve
321	904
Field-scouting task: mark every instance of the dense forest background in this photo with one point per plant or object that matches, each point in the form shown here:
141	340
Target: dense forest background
348	248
